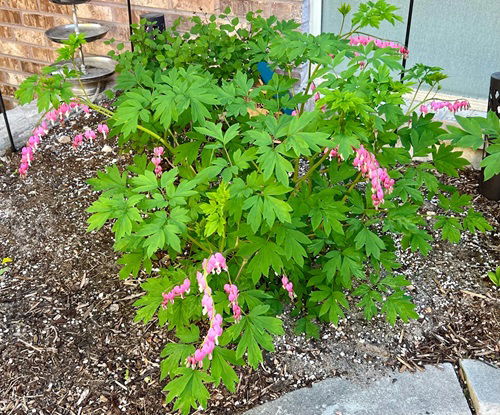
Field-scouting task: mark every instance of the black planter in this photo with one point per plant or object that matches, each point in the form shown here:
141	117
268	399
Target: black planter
491	188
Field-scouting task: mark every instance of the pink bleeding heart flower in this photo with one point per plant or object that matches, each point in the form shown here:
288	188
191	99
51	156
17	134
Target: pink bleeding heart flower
158	151
367	164
39	131
288	286
232	295
44	127
90	134
33	142
27	155
215	264
85	109
103	129
78	140
52	116
177	291
23	169
64	110
424	109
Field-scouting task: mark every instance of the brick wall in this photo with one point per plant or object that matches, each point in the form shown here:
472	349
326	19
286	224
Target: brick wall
24	49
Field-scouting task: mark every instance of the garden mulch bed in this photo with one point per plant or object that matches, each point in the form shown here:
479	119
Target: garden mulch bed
68	344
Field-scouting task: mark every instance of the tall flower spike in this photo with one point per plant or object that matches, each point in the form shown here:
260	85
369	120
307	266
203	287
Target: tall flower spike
364	40
214	264
367	164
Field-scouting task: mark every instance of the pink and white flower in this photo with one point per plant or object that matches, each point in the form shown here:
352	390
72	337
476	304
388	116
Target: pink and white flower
78	140
90	134
288	286
232	295
177	291
103	129
367	164
215	264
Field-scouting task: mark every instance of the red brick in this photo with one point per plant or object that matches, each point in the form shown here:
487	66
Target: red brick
241	8
95	12
287	11
43	54
49	7
7	90
60	20
10	16
12	78
15	49
158	4
205	6
120	14
38	20
6	32
33	36
31	67
22	4
9	63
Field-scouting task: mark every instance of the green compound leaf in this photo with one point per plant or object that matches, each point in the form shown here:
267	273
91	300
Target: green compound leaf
257	329
399	305
370	241
448	161
175	355
306	326
475	221
221	370
189	390
450	228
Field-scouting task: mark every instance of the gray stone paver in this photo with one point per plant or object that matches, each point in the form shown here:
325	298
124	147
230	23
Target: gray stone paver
483	382
436	391
22	120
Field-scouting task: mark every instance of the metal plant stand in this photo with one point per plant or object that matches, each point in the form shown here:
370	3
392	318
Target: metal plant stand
491	188
95	70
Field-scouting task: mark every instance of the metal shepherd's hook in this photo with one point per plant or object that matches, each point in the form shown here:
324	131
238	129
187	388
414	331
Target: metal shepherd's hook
77	31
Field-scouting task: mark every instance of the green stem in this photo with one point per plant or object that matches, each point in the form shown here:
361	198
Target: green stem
342	25
243	263
415	95
198	244
353	30
309	82
354	183
410	109
310	171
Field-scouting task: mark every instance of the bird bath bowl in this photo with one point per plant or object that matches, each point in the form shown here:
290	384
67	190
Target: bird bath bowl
69	2
91	31
99	69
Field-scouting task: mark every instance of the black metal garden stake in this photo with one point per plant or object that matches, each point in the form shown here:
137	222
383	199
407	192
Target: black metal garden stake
407	37
3	110
491	188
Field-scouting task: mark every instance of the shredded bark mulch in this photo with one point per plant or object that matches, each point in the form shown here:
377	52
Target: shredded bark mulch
68	344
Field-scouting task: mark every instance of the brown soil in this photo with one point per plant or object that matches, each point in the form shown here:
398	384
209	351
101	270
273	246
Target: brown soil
68	344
